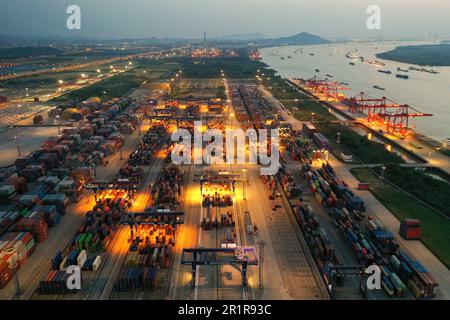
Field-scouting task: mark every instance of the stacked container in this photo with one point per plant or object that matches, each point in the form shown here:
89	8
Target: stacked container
35	224
410	229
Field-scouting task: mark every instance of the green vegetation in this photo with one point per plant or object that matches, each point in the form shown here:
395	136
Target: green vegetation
220	93
303	110
434	191
431	55
435	227
281	89
446	152
353	143
113	87
207	88
234	67
47	83
26	52
121	84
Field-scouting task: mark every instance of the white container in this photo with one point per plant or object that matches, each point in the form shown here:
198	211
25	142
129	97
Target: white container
81	259
155	256
62	266
96	263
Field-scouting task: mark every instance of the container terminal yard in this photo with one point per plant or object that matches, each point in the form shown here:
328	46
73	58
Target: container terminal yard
100	191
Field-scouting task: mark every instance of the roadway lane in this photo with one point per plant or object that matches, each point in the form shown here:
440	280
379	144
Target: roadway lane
188	237
283	252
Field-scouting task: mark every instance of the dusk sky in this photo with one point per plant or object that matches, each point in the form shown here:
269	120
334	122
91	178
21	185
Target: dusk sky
190	18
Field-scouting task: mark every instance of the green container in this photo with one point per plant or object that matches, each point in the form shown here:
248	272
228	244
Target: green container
88	241
94	246
24	212
81	241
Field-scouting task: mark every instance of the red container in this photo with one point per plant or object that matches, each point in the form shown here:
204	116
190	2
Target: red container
34	224
5	273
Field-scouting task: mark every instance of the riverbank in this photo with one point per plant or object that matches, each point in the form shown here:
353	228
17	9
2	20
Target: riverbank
423	91
422	55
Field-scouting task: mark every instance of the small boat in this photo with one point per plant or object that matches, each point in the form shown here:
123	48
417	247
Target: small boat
379	88
402	76
385	71
289	57
311	54
351	63
345	83
282	58
317	70
329	76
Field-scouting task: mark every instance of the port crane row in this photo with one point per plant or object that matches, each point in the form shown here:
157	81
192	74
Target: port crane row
395	117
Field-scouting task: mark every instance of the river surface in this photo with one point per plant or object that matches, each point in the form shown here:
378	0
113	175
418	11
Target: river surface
426	92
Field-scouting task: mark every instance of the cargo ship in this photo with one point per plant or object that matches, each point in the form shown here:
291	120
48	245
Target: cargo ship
402	70
402	76
385	71
424	70
377	63
351	56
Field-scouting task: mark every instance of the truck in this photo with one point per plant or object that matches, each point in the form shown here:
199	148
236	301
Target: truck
248	222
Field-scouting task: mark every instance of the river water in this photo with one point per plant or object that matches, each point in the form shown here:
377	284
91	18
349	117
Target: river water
426	92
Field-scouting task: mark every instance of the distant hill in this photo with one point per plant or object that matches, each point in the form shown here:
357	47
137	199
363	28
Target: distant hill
242	37
425	55
303	38
26	52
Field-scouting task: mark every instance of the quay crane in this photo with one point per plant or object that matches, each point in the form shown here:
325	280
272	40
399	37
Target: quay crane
398	120
370	106
376	109
330	89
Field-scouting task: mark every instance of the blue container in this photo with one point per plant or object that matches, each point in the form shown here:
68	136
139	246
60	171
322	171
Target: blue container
57	260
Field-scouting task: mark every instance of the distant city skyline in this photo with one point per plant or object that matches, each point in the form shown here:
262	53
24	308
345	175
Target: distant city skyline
110	19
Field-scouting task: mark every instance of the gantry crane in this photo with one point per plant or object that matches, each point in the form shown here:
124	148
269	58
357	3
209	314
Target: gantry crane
398	121
370	106
377	110
330	89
